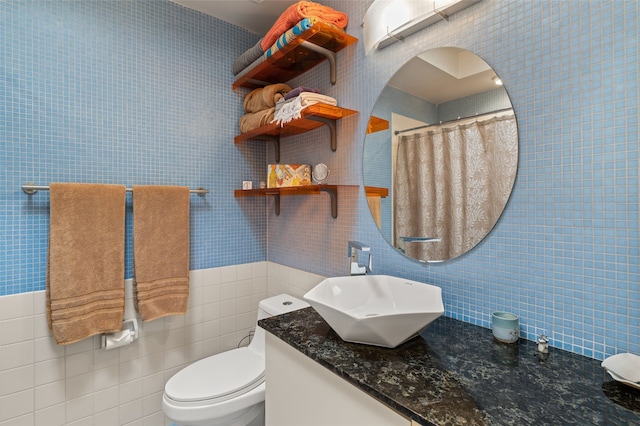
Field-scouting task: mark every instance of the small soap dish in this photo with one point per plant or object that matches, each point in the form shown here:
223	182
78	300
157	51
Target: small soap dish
624	368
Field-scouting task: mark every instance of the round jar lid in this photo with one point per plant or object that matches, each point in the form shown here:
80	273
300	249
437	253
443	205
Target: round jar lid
320	173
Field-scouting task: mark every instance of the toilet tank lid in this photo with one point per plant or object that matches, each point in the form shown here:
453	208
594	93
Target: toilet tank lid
281	304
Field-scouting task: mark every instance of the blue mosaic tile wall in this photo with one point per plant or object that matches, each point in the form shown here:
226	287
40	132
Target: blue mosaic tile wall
127	92
565	253
140	93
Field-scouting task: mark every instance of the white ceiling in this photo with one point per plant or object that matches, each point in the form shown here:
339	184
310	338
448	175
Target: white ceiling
448	79
254	15
445	74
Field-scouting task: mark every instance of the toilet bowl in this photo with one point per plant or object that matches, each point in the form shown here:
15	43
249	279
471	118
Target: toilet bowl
226	389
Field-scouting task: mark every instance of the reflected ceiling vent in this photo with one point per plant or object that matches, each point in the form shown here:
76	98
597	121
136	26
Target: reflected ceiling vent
458	63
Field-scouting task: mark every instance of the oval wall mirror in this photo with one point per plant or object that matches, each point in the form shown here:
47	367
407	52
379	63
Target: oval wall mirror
440	155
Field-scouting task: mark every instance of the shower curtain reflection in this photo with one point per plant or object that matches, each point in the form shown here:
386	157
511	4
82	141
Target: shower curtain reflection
451	184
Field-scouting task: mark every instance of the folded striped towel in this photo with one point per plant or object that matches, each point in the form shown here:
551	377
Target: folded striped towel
300	10
290	34
291	110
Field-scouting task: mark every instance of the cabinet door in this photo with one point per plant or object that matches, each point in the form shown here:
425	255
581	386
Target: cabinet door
302	392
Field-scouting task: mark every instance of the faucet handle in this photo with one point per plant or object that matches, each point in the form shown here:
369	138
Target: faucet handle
543	344
355	267
358	246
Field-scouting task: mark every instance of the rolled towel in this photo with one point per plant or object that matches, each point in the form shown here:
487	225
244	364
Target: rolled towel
247	58
265	97
254	120
290	34
298	11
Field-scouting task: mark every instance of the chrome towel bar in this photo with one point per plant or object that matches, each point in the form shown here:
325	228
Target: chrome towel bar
31	189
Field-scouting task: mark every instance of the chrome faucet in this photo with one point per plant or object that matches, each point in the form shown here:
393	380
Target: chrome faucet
354	265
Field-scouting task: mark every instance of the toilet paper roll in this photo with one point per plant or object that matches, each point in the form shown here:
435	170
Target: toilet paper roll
115	340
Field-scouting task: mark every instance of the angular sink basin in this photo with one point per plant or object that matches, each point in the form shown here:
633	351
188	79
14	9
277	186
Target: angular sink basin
376	310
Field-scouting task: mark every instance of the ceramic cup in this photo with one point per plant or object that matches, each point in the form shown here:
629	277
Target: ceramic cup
505	327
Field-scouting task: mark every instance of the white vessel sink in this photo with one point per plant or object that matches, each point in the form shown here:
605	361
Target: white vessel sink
376	310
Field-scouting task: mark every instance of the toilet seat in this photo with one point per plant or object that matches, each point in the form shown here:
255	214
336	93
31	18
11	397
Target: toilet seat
217	378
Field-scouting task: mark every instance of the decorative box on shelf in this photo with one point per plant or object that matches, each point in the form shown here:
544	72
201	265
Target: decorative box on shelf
287	175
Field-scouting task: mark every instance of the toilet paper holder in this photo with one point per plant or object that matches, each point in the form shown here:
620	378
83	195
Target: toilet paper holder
126	336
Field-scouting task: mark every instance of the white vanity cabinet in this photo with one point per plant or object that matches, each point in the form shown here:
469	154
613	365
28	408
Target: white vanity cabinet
302	392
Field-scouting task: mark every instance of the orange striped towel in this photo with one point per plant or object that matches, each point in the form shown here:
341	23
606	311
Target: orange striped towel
298	11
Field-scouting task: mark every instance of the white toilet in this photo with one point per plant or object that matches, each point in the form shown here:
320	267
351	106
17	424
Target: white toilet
226	389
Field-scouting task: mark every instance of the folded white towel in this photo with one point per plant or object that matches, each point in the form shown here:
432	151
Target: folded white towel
291	110
310	98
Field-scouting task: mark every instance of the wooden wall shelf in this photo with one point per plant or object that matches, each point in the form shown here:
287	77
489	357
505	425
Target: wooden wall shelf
377	124
318	43
374	191
332	190
312	117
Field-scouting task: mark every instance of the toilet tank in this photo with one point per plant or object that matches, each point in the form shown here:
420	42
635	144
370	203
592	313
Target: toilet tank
279	304
272	306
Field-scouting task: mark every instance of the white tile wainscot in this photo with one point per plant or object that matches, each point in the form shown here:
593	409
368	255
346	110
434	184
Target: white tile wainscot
285	279
42	383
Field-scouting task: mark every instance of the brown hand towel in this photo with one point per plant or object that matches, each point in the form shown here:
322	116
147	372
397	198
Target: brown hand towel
160	250
85	269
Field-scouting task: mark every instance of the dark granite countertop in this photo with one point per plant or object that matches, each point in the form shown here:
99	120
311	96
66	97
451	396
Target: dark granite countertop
456	373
